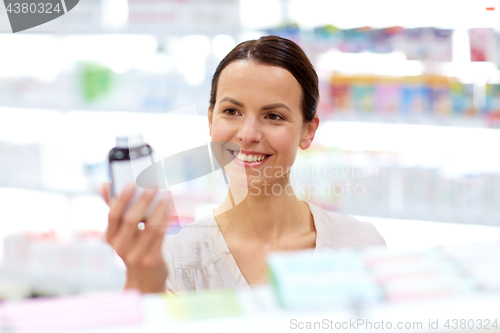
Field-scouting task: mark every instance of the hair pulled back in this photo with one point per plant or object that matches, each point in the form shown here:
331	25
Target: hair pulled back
281	52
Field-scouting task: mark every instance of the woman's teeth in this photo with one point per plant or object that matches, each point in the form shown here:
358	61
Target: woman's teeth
249	158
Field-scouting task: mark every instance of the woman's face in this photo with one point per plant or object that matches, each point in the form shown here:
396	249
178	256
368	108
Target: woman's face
258	111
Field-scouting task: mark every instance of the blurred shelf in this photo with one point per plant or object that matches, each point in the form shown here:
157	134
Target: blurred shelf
141	17
440	120
245	311
17	285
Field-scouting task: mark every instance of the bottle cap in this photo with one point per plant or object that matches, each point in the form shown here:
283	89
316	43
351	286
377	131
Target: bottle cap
130	141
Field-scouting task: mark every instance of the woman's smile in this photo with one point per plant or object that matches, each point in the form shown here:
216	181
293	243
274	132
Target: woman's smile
249	159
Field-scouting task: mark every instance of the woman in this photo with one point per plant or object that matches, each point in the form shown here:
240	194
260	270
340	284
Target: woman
263	105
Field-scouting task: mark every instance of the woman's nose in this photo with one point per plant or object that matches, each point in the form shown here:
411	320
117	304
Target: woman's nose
250	131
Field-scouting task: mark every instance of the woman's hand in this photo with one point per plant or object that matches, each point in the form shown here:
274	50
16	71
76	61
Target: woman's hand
139	249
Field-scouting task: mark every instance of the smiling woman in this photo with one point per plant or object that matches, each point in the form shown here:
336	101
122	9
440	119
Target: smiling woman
262	110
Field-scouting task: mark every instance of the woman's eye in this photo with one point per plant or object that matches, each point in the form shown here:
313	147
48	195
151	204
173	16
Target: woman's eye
274	116
230	112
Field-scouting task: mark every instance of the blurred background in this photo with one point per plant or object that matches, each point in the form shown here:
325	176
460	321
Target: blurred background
409	136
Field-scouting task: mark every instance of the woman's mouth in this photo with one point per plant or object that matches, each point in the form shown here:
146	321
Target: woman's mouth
249	160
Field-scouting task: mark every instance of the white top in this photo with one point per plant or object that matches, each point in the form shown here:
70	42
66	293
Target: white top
198	257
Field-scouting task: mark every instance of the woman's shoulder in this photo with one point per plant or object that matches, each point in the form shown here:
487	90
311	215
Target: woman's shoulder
339	230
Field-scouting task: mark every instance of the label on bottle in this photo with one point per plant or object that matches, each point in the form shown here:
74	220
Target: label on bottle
125	172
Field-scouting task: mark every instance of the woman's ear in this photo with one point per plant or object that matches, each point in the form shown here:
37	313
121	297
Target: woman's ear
309	132
210	120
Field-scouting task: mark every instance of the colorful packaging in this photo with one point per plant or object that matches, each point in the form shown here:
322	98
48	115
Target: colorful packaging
492	103
388	96
381	40
442	45
416	43
363	94
321	40
340	92
289	31
439	95
105	311
355	40
340	277
497	48
462	98
482	44
414	96
327	33
325	104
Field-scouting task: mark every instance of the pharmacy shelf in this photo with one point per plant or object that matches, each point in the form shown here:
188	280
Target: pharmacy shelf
443	288
280	320
16	286
258	312
136	17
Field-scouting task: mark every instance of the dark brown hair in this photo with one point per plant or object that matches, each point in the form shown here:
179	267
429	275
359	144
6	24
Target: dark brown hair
281	52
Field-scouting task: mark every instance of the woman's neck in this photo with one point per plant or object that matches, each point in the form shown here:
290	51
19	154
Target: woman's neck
264	216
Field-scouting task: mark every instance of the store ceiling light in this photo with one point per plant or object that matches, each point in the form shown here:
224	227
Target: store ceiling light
114	14
117	51
394	63
222	44
20	60
190	55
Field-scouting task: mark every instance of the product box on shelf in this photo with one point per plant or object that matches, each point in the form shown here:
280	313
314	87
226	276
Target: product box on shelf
388	96
45	263
326	278
492	103
440	102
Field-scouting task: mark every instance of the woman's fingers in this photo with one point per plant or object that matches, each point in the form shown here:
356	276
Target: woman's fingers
105	192
128	229
155	227
116	208
163	221
138	210
157	243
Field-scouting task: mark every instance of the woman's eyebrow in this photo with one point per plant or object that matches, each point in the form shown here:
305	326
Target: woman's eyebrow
267	107
232	100
275	106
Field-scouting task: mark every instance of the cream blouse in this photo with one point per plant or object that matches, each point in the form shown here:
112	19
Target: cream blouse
198	256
